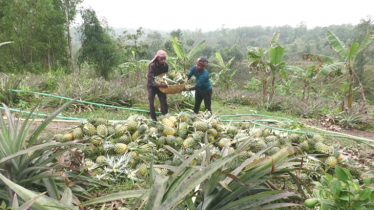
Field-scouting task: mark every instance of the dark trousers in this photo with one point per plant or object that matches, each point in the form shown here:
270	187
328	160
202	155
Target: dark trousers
199	97
152	92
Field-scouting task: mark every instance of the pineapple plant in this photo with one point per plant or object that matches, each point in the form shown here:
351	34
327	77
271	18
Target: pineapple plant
58	137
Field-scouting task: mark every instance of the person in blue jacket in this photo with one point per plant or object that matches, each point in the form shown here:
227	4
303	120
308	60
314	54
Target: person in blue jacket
203	87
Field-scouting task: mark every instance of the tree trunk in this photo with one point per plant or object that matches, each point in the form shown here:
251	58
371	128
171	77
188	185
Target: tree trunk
272	85
264	85
303	91
69	38
49	56
307	96
20	46
350	96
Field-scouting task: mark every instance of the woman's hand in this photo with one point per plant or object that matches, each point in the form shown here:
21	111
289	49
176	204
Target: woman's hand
163	85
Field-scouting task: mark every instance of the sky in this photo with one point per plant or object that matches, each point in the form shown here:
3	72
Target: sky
210	15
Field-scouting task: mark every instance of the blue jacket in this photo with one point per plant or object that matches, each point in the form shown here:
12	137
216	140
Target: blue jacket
203	83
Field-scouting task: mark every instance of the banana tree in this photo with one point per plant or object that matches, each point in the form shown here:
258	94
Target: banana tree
348	55
182	54
257	62
306	75
269	60
276	63
224	76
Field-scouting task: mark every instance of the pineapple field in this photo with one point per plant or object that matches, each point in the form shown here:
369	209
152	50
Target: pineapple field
186	161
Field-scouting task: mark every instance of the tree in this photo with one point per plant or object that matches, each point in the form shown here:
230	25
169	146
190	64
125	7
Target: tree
348	55
131	44
182	54
98	47
224	76
270	60
70	12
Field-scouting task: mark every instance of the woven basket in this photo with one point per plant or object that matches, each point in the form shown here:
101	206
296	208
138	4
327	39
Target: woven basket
172	89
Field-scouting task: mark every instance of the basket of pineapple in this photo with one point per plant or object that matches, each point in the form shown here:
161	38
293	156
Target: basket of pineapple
175	81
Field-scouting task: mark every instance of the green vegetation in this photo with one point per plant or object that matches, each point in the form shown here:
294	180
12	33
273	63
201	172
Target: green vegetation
267	158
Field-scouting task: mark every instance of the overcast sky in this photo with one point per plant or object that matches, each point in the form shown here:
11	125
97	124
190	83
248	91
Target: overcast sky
212	14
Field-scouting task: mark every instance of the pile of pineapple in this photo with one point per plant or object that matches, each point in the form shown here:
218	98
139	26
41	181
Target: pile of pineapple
123	149
172	78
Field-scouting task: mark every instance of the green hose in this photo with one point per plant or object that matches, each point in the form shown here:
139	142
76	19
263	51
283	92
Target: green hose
84	102
254	122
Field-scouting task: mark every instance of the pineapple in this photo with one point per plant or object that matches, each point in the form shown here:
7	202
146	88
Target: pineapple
142	169
177	143
162	171
135	135
167	123
162	140
143	129
170	139
89	129
173	119
162	155
294	138
273	150
132	126
124	139
120	129
120	148
181	133
111	130
88	163
189	143
232	131
67	137
102	130
78	133
318	138
271	139
224	142
201	126
319	146
304	146
257	132
212	132
168	130
101	121
96	140
100	159
331	161
58	137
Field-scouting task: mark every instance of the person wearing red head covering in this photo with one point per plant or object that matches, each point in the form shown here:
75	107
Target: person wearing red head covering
156	67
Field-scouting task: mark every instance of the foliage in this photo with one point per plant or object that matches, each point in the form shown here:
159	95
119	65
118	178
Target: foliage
98	47
349	56
183	55
224	76
26	161
217	187
341	192
7	83
37	29
137	49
